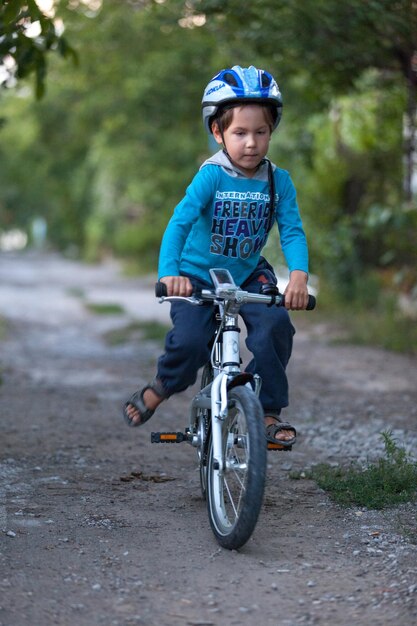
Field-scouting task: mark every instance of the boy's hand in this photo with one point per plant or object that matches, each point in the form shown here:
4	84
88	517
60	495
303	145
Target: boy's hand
178	285
296	293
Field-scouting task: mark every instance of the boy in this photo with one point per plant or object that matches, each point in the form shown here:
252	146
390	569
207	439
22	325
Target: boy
224	221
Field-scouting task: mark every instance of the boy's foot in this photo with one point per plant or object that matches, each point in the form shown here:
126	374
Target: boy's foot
279	432
141	406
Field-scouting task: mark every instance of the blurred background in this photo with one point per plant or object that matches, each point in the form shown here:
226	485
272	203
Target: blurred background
100	133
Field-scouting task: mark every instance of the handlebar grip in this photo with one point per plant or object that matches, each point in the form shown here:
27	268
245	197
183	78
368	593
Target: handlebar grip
310	305
160	290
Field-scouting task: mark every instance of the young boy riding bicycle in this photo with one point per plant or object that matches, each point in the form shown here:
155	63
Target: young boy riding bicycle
224	221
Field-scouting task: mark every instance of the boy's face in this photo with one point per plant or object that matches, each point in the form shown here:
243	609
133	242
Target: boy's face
247	138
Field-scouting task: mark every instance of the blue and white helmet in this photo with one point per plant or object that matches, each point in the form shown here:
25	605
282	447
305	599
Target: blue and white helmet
240	84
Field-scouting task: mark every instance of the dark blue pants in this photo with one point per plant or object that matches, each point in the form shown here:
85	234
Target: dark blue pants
269	339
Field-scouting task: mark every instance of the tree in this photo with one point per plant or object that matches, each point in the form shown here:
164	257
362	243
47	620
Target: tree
27	35
109	150
330	44
112	145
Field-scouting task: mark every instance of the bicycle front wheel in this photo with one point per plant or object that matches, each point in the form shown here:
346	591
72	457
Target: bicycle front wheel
235	492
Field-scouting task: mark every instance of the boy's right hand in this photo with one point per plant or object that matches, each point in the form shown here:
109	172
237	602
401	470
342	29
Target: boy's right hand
177	285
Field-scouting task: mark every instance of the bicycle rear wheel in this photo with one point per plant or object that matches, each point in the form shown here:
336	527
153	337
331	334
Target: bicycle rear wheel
203	429
235	495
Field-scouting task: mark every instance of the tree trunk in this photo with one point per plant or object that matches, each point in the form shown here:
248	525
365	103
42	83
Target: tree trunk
410	131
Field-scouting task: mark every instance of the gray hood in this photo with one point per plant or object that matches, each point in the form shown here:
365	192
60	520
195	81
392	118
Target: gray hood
221	159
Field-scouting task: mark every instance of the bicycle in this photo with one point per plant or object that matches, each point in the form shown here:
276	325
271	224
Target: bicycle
226	417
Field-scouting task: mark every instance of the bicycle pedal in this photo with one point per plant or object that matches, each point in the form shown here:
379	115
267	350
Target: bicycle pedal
177	437
278	446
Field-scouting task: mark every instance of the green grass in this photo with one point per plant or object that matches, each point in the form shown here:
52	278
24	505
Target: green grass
146	330
383	329
76	292
372	318
389	481
99	308
3	328
105	308
3	332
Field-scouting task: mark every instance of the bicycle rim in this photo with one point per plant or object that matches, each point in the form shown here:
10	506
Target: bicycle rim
234	496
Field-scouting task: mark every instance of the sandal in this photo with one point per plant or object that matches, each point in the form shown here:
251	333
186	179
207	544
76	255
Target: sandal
137	402
272	429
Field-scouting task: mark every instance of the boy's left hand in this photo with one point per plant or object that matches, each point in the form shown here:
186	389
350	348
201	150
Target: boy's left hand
296	293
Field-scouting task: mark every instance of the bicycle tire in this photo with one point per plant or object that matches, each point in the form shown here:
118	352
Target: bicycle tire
203	428
235	496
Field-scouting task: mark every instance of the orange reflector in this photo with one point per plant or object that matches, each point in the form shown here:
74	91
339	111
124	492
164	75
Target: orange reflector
276	446
169	436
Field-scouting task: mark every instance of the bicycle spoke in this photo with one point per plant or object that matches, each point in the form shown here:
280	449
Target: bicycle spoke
226	484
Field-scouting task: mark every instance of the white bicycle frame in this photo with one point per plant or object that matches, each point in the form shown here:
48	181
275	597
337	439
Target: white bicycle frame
225	360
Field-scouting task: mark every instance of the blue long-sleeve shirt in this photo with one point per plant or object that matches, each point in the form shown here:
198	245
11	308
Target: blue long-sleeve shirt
222	222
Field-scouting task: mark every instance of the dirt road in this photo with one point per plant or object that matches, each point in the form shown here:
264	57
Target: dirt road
99	527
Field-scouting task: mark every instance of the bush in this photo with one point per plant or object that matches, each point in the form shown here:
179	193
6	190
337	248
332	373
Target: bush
389	481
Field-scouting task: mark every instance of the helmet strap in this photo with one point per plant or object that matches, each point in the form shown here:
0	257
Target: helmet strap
271	181
220	129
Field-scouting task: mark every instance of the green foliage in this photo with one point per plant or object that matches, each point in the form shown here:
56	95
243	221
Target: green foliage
351	189
25	48
109	150
115	143
333	40
389	481
348	80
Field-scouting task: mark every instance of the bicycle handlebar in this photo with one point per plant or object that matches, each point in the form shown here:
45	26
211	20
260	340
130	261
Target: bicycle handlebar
238	295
